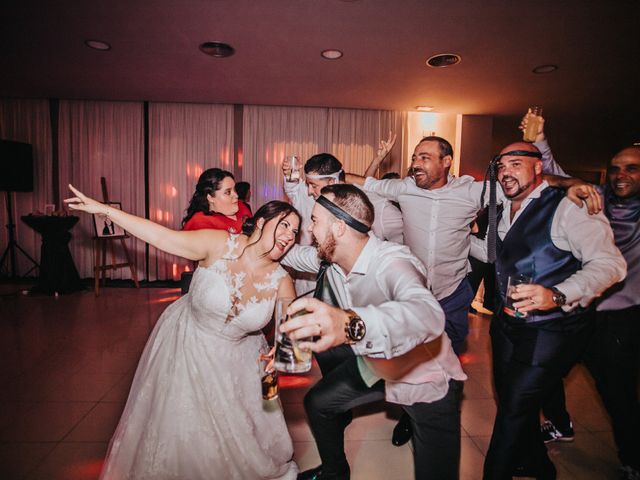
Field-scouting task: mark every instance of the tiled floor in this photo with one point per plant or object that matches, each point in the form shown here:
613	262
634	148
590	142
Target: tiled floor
67	364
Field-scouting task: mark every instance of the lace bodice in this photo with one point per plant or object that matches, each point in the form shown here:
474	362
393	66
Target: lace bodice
225	303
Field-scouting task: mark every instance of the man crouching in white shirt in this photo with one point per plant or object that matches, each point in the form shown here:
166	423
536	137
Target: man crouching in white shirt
395	327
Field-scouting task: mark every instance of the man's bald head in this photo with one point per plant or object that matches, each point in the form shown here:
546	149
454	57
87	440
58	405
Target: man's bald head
519	174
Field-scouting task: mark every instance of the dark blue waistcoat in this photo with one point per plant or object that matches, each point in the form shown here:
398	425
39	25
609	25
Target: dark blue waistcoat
527	249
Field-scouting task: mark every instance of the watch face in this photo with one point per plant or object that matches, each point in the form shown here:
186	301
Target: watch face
558	298
357	329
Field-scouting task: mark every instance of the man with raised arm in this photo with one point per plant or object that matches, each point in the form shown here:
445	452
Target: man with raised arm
571	259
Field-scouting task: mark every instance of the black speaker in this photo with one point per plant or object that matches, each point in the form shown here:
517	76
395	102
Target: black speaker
16	166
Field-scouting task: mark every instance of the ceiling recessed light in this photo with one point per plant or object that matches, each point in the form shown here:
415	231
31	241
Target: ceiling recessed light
423	108
444	60
217	49
331	54
97	45
548	68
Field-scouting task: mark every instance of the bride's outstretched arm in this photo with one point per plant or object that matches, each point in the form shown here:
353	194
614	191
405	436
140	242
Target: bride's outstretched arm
194	245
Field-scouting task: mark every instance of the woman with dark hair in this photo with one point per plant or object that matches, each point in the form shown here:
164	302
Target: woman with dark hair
195	409
214	204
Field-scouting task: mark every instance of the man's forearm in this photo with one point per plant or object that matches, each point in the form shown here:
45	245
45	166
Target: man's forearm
354	179
561	182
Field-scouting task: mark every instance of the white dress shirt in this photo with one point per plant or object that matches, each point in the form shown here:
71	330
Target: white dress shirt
589	239
437	224
387	288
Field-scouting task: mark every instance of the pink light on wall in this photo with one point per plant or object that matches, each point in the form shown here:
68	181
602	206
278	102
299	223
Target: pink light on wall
171	191
225	156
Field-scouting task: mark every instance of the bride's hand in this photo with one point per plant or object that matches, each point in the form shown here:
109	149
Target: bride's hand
83	203
269	358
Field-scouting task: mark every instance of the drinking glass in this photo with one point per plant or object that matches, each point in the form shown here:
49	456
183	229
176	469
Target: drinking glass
533	122
270	385
294	161
269	378
288	357
512	282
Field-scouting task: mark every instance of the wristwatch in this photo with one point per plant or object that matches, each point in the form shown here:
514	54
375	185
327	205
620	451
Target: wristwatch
354	327
559	298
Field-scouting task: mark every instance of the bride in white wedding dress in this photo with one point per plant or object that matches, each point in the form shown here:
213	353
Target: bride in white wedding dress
195	409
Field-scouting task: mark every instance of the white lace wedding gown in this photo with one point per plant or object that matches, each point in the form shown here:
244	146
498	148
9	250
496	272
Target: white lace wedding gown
195	409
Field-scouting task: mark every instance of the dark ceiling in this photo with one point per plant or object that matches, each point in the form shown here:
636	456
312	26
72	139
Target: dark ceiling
155	55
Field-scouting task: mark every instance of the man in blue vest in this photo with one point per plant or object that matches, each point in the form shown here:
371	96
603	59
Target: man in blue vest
571	258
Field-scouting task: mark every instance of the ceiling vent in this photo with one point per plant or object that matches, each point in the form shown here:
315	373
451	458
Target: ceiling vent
217	49
444	60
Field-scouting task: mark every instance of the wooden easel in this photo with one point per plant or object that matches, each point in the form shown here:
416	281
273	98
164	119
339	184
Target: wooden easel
100	266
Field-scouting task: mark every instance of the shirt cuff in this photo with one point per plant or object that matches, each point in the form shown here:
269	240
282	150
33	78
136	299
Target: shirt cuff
572	292
368	377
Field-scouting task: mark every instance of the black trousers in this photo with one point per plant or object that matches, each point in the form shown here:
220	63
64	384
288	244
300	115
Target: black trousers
528	361
613	359
436	425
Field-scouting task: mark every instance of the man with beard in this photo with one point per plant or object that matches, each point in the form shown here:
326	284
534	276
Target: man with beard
387	312
572	259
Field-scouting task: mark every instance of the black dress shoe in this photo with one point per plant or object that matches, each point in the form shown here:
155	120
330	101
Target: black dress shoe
311	474
402	432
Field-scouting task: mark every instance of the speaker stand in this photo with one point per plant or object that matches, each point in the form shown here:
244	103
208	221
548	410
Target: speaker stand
9	255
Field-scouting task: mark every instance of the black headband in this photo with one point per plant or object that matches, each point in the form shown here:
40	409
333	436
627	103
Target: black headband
342	215
518	153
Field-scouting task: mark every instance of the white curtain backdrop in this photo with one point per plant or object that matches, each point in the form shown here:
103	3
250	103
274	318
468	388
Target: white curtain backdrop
27	121
102	139
270	133
353	136
184	140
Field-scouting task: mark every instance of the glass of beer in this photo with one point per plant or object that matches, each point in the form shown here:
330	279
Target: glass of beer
289	357
269	378
534	117
270	385
512	282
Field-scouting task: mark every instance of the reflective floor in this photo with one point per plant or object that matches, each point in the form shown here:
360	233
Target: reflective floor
67	364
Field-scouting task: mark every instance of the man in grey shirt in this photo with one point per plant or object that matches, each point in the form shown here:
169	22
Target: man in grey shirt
613	354
392	323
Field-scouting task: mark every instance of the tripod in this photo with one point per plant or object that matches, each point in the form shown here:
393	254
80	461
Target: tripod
9	255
